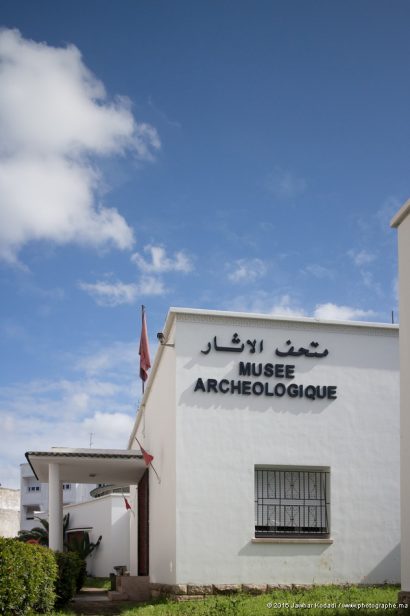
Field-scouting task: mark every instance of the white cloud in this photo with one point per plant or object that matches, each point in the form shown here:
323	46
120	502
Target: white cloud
34	433
117	358
263	302
40	414
333	312
246	270
111	294
286	307
55	116
159	261
361	258
285	185
108	428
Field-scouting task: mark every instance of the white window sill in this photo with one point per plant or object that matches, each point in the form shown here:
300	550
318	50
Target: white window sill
291	540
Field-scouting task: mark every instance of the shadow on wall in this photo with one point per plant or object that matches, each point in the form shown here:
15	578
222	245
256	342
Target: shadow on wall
286	550
388	569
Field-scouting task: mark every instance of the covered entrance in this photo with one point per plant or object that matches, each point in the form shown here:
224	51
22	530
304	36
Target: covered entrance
63	465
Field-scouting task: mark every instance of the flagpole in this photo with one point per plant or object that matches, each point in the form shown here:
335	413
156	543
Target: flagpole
142	327
145	362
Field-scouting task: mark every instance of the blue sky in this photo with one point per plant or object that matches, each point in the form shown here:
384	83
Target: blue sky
230	155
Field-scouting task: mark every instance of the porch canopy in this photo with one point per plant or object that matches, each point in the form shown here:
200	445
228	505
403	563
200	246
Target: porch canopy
63	465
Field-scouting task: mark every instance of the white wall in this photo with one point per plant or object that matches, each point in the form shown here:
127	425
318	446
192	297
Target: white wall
108	517
221	437
156	432
404	295
9	512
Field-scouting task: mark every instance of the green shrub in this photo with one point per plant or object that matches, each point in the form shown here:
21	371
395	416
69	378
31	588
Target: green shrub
82	574
70	567
27	576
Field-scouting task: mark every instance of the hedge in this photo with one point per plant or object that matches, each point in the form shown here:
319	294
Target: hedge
70	572
27	578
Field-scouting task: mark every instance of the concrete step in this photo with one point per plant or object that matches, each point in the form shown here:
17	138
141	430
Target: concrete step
115	595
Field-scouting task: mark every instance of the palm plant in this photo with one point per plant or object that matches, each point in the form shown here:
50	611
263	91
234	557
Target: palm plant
39	534
83	546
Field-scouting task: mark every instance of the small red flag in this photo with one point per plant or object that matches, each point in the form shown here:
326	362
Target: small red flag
127	505
145	362
148	458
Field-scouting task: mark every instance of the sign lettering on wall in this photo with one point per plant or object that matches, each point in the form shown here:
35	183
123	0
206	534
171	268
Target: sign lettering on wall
267	370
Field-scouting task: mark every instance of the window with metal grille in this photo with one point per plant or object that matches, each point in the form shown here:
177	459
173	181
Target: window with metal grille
291	502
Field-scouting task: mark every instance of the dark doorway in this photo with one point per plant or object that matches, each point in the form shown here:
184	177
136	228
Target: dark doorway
143	525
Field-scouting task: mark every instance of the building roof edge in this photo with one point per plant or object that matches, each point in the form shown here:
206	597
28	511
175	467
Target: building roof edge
403	212
174	312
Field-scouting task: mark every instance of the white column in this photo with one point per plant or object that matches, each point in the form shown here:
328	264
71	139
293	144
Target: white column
55	508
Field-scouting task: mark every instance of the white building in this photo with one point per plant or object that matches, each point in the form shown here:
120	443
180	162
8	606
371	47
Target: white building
34	496
402	223
276	455
276	441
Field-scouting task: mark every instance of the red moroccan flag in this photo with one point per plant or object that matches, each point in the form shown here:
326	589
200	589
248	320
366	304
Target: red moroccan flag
148	458
127	505
145	362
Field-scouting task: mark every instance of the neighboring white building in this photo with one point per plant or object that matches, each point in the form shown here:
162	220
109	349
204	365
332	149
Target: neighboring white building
34	496
402	223
276	441
276	455
9	512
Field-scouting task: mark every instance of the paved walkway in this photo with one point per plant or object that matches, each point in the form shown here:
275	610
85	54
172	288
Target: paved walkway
95	602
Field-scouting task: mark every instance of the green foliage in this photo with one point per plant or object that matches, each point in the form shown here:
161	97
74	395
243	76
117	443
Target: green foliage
39	534
82	575
70	567
83	546
281	603
27	576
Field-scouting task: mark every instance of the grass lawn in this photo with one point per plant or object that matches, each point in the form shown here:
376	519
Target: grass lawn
323	600
97	582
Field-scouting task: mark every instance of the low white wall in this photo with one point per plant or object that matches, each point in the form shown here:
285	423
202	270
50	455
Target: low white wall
9	512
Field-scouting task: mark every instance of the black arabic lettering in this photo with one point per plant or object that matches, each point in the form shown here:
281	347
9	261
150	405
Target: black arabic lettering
208	349
316	354
235	340
291	352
